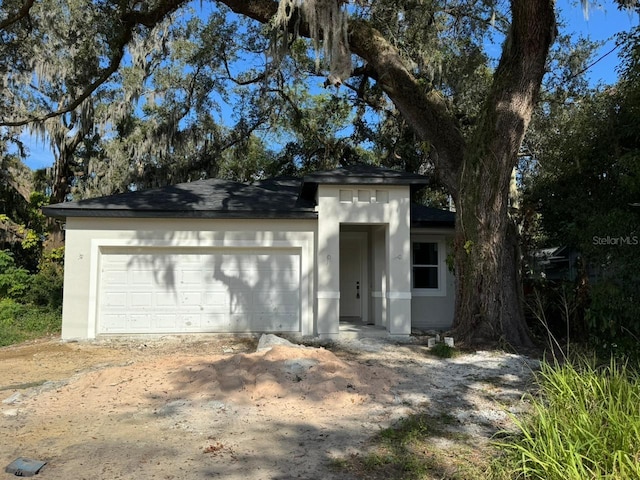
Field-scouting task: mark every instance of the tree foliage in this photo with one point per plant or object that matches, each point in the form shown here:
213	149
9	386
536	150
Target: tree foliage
585	187
138	97
23	228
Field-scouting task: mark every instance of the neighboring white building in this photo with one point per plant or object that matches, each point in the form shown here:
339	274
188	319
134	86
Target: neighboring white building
286	255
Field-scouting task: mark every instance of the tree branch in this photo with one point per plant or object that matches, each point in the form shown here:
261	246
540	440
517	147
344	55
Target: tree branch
130	20
516	81
19	15
425	111
113	66
259	10
249	81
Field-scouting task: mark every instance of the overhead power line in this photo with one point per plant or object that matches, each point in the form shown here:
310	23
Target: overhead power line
593	63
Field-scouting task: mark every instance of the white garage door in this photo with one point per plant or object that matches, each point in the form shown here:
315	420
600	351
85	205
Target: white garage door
176	291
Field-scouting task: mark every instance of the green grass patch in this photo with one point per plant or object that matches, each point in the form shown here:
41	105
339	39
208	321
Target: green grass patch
20	322
419	447
442	350
585	424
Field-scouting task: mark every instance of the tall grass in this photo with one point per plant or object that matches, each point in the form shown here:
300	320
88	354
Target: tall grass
584	424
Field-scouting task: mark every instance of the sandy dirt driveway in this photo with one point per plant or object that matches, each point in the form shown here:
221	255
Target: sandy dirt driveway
214	407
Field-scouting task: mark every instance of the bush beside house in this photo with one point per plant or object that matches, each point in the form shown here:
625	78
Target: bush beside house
30	302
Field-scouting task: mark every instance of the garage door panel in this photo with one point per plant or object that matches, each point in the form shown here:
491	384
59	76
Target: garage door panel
218	291
139	322
115	277
115	299
191	277
138	300
164	299
188	323
143	278
213	282
190	299
166	321
276	322
241	322
275	297
114	323
216	321
241	302
216	299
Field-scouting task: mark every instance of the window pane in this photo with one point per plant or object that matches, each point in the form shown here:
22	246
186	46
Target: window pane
425	253
425	277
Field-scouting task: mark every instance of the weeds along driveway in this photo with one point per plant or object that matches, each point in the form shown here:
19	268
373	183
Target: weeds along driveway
213	407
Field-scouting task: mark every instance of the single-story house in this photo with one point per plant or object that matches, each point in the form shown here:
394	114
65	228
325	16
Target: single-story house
285	255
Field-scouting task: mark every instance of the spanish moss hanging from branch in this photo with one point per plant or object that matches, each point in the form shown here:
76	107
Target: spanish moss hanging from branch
327	23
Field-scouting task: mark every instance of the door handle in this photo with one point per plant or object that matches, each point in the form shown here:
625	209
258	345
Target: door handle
357	289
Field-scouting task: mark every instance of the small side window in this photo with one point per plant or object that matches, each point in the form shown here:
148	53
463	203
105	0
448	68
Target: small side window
425	265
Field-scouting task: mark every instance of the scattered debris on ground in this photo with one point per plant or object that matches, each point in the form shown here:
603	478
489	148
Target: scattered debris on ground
201	407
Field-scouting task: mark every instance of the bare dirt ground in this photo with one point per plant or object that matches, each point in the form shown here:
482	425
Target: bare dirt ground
213	407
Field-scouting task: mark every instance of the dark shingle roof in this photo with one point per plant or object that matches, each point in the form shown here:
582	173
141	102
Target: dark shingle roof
422	216
281	197
211	198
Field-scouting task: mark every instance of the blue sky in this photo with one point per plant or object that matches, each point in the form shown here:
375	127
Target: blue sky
602	24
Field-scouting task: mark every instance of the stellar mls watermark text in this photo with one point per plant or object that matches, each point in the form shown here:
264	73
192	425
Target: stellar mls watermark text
620	241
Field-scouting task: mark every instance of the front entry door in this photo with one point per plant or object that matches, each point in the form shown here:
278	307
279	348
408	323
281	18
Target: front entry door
353	268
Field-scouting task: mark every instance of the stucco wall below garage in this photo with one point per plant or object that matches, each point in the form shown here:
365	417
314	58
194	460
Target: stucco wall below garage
85	237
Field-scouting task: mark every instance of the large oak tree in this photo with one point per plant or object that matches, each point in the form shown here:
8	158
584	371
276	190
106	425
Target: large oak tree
475	168
399	52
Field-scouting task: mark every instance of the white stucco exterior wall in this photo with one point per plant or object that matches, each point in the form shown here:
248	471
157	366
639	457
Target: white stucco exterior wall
387	206
86	238
435	310
382	211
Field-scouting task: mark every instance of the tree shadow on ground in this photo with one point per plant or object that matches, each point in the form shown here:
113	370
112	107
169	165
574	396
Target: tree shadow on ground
402	381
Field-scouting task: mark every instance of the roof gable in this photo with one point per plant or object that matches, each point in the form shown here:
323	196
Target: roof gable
360	175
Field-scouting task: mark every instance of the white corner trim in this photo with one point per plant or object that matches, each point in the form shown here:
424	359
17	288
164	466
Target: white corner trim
328	294
94	265
399	295
375	294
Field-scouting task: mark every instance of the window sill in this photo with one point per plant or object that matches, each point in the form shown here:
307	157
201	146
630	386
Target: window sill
428	292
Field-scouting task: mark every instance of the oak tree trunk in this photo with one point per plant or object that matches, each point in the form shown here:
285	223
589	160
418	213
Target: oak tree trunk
488	288
488	298
477	170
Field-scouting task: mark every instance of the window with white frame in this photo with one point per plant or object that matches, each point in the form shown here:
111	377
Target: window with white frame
425	265
427	275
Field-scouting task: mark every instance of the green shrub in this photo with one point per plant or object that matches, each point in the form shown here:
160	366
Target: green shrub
613	319
584	425
442	350
30	304
10	311
20	322
46	286
14	281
